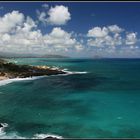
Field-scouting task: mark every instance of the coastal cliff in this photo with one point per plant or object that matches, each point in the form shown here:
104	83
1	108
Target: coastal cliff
10	70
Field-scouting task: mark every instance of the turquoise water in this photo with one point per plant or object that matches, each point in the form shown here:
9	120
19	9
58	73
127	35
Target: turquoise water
105	102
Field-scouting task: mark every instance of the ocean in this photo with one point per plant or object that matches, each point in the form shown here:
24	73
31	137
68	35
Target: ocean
100	98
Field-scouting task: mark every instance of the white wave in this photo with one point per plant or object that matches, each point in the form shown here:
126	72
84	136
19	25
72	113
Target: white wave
42	136
2	131
69	72
14	135
4	125
11	136
7	81
15	61
74	72
65	69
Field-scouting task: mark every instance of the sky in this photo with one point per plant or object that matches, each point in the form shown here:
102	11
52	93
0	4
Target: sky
76	29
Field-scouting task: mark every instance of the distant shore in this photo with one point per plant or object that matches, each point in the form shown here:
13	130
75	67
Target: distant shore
10	70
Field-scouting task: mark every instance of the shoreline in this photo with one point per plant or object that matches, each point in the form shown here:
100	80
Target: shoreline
6	80
14	135
10	70
3	78
10	80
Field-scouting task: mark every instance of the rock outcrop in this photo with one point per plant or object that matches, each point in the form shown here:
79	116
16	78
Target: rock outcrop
11	70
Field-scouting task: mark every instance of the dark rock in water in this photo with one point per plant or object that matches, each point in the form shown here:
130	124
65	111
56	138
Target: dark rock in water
50	138
1	125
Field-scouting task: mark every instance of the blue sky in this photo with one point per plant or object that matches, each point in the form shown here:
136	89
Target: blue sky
78	29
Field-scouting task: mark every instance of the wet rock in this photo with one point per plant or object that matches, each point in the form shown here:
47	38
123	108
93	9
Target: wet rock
1	125
51	138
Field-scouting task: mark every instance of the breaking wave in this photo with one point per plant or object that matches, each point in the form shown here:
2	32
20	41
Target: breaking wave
74	72
7	81
14	135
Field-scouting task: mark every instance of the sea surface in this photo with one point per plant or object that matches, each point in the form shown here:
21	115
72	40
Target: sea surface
101	102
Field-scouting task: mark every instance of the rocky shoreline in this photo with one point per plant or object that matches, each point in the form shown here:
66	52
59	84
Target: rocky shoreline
10	70
49	137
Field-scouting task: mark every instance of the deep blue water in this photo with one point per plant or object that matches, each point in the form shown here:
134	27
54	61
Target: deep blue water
105	102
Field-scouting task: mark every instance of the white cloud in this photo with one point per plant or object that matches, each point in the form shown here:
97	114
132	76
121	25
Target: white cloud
29	24
103	37
61	40
42	17
98	32
5	37
131	38
57	32
97	42
102	32
10	21
113	40
106	41
115	29
20	34
79	47
58	15
27	38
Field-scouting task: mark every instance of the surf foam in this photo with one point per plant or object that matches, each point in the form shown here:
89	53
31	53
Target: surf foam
69	72
14	135
7	81
74	72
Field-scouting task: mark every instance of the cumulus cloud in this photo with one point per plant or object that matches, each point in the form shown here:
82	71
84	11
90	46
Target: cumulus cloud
60	39
10	20
20	34
97	32
110	36
112	40
101	37
115	29
131	38
102	32
42	17
58	15
24	36
97	42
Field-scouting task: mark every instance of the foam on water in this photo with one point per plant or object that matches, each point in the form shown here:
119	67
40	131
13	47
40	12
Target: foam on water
75	72
7	81
69	72
14	135
41	136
